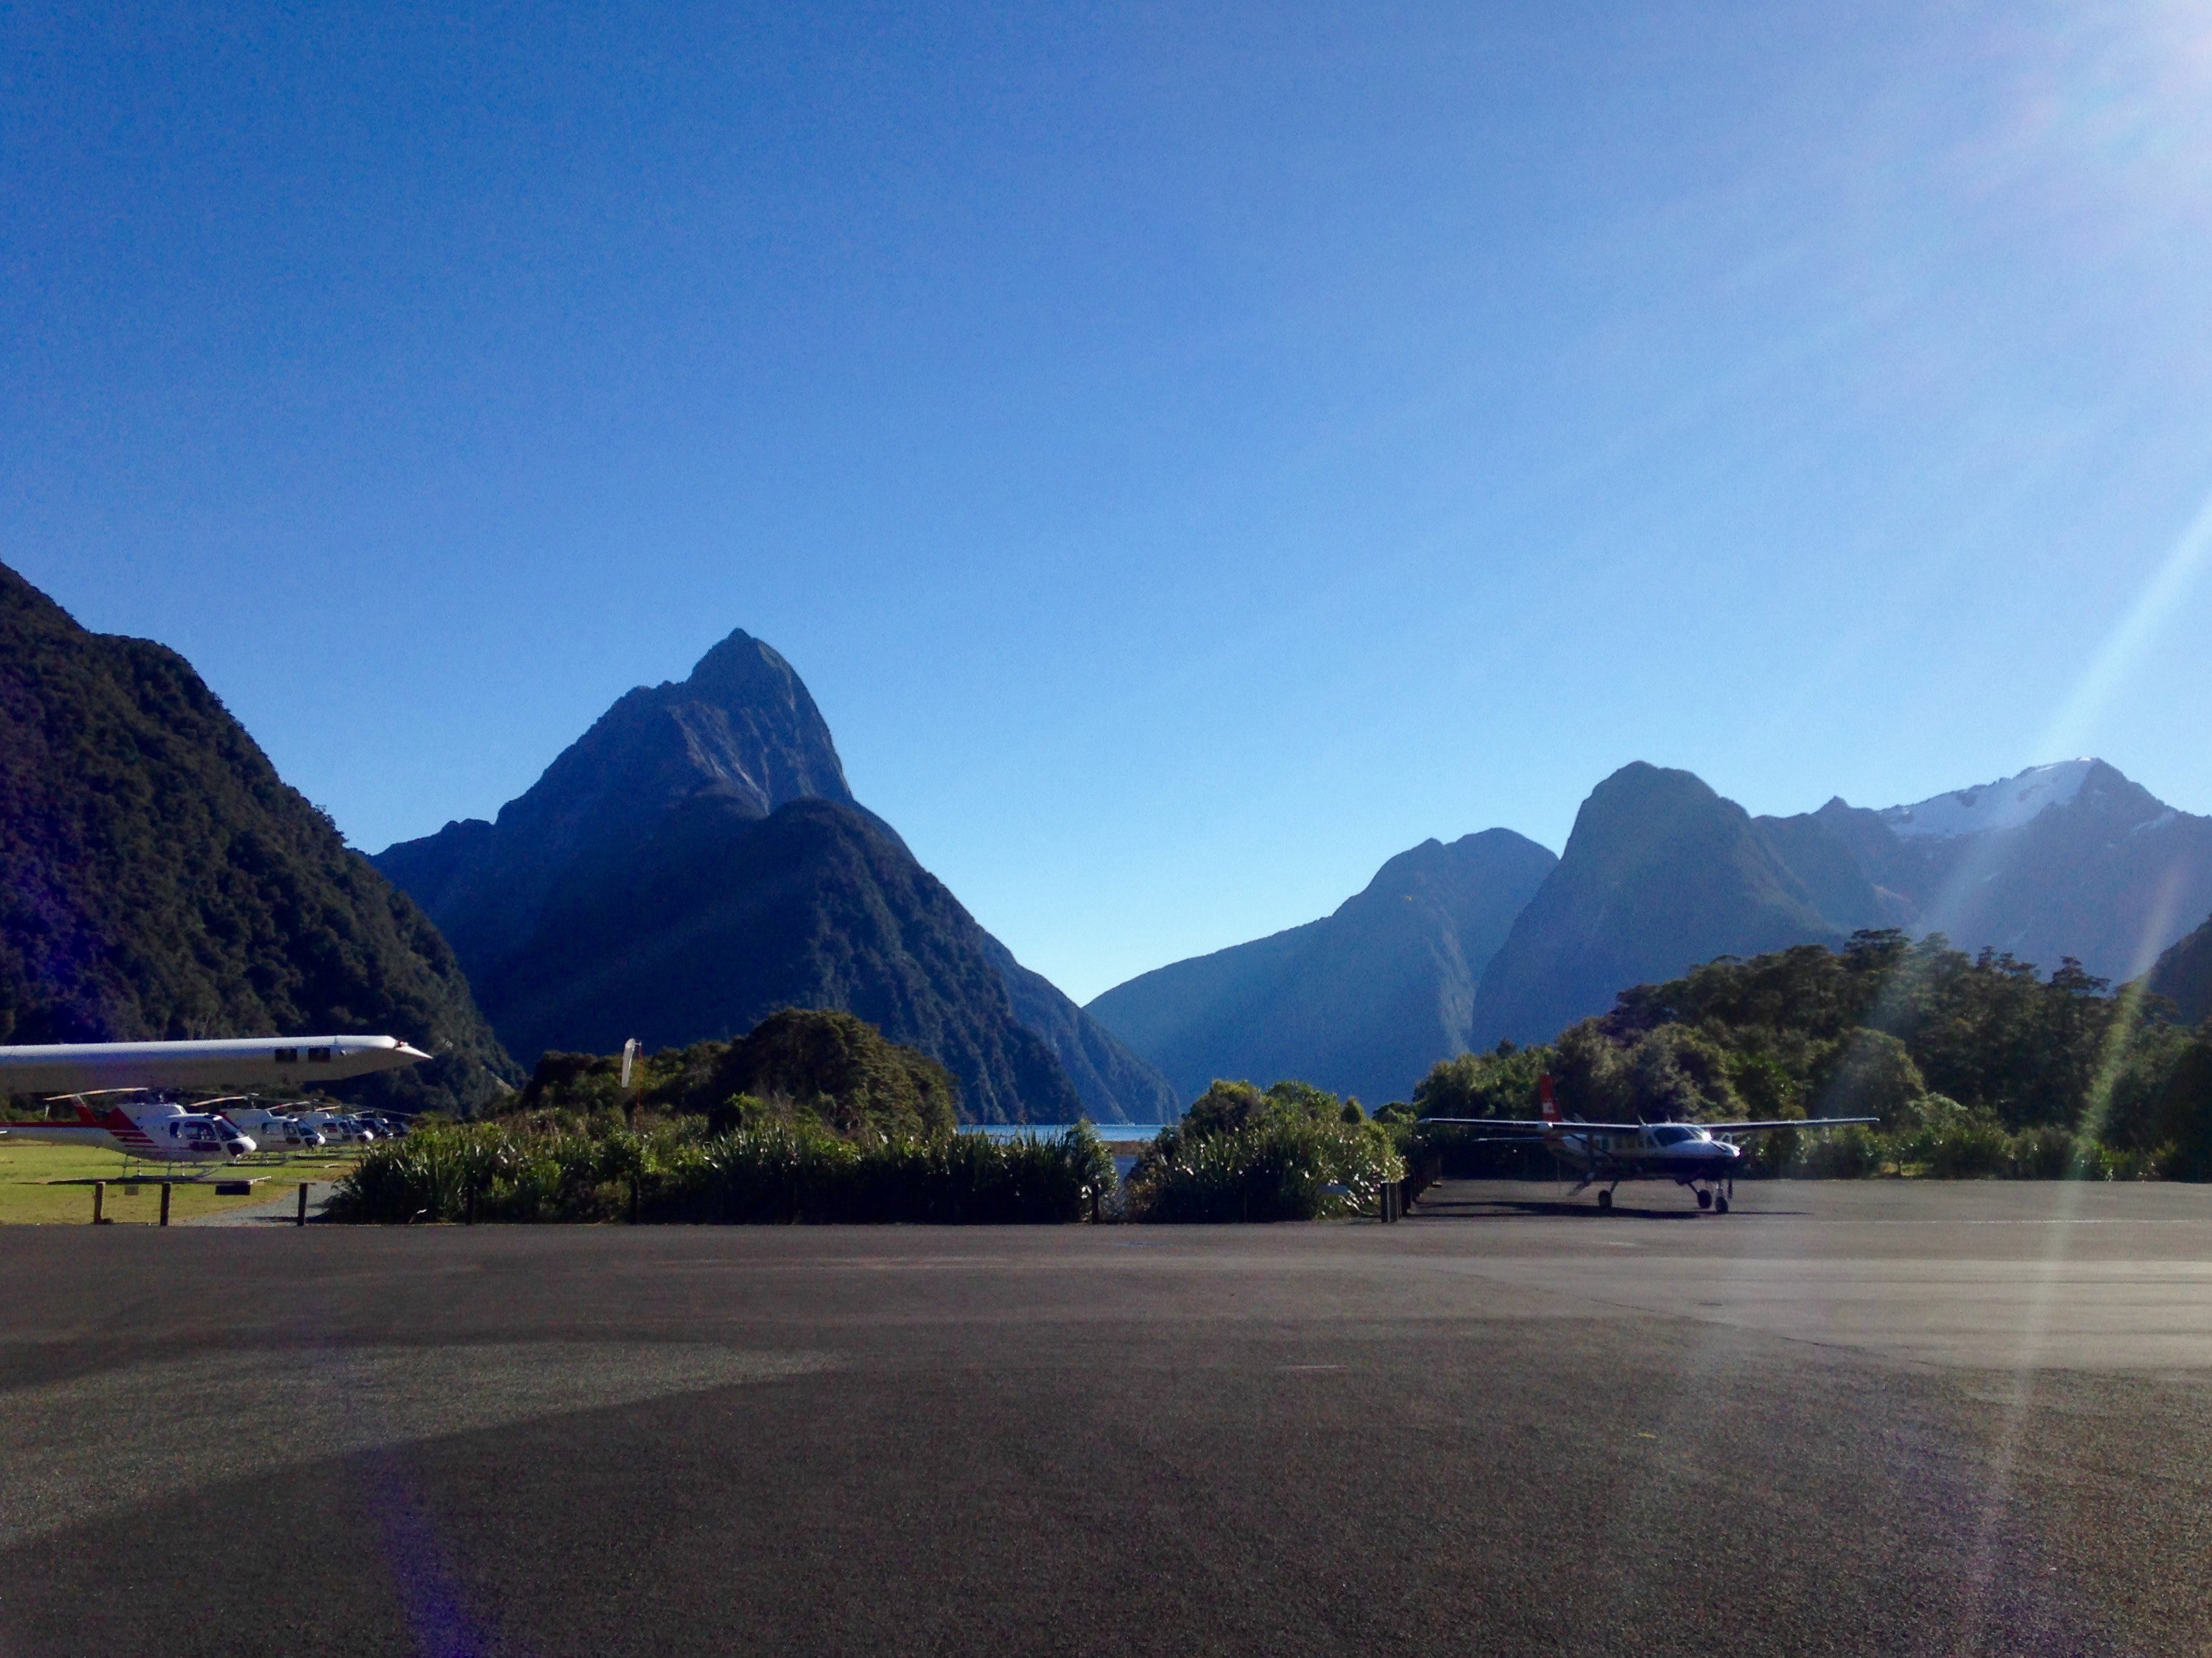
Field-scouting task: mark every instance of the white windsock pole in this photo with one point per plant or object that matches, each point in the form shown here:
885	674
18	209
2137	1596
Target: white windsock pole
629	1059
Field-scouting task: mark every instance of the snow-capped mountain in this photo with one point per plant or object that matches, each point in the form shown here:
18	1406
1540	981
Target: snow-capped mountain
2006	804
2065	860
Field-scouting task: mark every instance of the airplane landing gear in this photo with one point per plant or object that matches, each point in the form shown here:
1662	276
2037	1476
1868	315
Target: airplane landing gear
1720	1203
1604	1201
1705	1199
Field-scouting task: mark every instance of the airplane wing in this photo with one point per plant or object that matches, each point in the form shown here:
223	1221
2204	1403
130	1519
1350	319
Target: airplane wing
1515	1126
197	1066
1783	1122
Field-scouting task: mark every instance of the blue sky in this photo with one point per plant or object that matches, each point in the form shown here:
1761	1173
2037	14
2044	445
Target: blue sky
1191	454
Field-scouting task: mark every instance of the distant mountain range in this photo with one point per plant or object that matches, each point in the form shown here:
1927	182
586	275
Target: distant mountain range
158	880
1661	873
697	859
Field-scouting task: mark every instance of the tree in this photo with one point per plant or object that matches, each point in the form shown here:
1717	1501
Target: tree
1500	1083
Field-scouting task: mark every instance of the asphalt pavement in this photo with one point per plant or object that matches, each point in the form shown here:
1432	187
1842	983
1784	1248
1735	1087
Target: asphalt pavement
1845	1418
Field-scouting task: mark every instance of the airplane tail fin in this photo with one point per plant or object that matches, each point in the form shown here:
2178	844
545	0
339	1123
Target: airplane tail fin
1547	1099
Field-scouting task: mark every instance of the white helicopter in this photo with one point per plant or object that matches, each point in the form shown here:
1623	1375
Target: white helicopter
158	1129
1687	1153
153	1130
271	1131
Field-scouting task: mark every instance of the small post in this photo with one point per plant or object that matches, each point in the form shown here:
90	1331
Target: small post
167	1188
99	1203
301	1220
469	1207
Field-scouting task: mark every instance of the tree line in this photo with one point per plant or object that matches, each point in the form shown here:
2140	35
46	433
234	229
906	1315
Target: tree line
1972	1063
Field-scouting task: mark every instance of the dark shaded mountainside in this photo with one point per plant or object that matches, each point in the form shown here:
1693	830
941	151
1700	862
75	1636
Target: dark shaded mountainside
695	860
1361	1002
159	881
1659	867
2184	975
1449	950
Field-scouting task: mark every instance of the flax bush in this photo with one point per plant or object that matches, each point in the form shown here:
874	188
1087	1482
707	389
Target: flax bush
1274	1168
588	1170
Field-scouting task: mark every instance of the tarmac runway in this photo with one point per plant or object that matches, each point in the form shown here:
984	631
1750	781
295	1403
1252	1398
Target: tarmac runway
1846	1418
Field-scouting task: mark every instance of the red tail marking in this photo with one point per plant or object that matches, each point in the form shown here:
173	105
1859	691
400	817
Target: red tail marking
122	1128
1546	1098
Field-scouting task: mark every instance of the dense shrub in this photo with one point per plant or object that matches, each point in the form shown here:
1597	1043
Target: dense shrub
1244	1154
681	1172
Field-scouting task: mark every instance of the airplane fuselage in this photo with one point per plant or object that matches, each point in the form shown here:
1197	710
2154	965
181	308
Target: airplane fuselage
1682	1152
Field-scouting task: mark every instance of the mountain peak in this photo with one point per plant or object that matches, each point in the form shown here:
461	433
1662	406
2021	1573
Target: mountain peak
696	857
746	671
1661	872
742	726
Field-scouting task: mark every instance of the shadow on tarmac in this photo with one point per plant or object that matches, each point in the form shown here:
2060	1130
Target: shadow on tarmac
1456	1208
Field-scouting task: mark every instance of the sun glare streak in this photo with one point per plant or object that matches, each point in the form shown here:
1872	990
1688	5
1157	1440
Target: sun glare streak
2035	1326
2161	599
2158	602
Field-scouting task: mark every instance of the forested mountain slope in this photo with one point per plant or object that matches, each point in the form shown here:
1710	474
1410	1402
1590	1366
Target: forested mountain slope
2184	975
158	880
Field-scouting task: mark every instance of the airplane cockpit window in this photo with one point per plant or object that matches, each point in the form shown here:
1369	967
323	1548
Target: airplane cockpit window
1673	1134
318	1056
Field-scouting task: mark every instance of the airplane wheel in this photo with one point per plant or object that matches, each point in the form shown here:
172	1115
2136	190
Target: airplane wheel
1605	1200
1720	1203
1704	1199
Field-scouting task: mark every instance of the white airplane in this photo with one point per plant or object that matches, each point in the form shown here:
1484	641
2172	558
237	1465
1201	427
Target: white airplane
1684	1152
254	1063
159	1129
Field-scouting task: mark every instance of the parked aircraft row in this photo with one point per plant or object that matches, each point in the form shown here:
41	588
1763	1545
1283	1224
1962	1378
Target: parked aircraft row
120	1090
